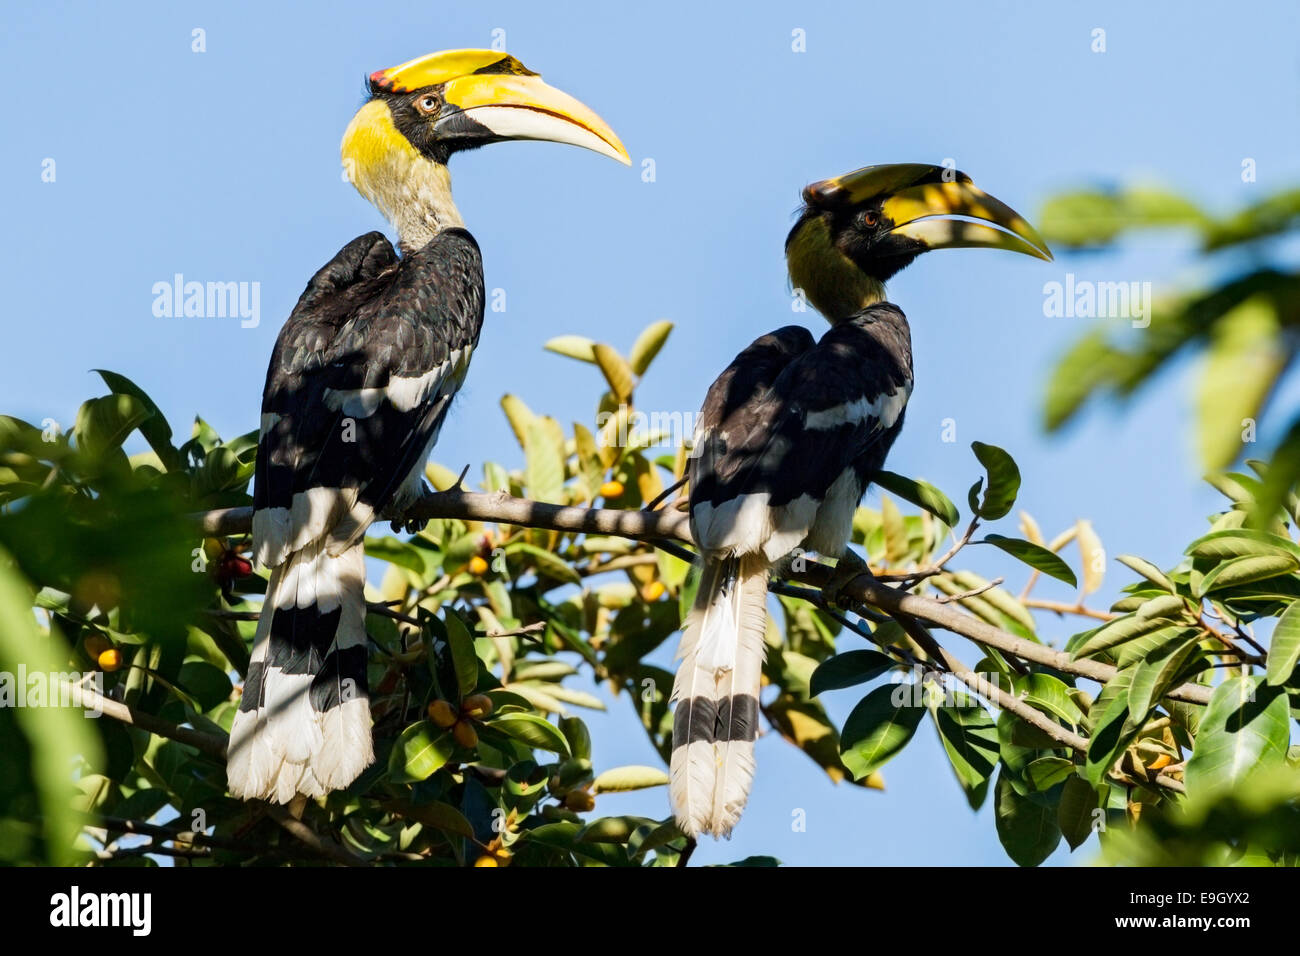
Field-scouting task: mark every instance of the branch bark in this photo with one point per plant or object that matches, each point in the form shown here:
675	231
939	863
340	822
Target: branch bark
210	744
674	526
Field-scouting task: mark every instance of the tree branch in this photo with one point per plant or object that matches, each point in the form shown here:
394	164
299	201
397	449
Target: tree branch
210	744
670	527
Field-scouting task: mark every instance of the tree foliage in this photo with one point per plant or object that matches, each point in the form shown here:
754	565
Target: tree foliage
489	641
1244	325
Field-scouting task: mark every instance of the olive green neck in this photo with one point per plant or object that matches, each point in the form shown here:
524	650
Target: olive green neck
831	282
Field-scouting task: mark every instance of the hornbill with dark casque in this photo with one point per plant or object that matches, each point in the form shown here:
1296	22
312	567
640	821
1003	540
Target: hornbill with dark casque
789	438
359	384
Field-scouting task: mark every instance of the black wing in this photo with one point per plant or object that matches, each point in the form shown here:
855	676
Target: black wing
359	384
764	464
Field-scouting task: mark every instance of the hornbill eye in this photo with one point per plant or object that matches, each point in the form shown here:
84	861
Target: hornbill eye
868	217
427	104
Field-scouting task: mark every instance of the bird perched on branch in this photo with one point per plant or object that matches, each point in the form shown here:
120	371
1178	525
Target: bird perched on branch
789	438
358	387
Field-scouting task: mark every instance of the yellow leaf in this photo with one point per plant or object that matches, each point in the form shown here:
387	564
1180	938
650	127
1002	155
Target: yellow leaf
519	415
616	371
648	344
1244	360
1029	528
1092	556
574	346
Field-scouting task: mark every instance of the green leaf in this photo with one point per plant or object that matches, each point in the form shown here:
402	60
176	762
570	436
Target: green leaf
546	562
401	553
1116	632
970	739
1284	648
611	829
103	423
1075	813
1244	570
1112	732
920	493
629	778
58	738
847	670
577	736
1003	482
1281	477
532	730
1049	694
440	816
206	683
1239	542
1243	359
463	656
648	344
419	751
878	728
1046	772
574	346
1026	826
1147	570
1245	726
1034	555
1154	675
155	429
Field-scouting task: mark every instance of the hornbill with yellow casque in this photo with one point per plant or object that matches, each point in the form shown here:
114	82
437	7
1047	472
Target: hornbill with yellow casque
359	384
789	438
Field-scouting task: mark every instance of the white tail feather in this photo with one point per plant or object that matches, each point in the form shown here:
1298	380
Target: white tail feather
285	746
721	661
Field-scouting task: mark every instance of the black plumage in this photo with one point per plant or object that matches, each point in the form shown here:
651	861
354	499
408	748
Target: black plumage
753	437
365	319
790	436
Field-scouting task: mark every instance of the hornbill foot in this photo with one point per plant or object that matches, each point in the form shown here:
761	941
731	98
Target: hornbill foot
402	520
409	525
849	569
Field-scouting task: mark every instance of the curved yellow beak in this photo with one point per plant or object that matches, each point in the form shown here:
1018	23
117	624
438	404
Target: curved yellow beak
491	96
934	205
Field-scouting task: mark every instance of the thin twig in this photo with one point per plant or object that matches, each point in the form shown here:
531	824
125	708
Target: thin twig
986	586
935	567
309	838
1061	608
659	498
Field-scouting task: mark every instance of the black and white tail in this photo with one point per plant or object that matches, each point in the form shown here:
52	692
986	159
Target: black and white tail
303	726
716	691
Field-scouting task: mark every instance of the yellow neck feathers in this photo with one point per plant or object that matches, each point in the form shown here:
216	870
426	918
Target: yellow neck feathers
412	191
830	280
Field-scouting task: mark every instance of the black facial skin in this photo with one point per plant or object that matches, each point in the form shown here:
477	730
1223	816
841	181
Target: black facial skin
456	132
863	234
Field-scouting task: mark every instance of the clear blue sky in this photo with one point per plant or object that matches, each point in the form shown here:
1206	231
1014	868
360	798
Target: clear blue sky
223	165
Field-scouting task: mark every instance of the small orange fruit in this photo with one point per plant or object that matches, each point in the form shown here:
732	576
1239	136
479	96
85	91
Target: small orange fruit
653	591
611	489
477	706
477	566
579	801
442	713
110	660
465	734
95	645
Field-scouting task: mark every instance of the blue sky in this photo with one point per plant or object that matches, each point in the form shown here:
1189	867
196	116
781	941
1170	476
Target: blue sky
223	166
